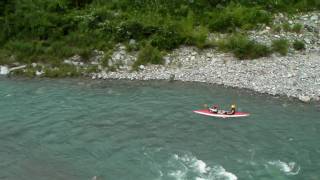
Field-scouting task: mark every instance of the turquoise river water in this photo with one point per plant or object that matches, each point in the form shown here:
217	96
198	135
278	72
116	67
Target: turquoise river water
77	129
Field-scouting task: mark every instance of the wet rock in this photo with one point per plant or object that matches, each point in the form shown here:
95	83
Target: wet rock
34	65
142	67
4	70
314	18
132	42
306	40
39	73
304	98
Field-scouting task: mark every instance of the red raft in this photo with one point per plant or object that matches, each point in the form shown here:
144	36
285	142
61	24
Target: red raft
207	112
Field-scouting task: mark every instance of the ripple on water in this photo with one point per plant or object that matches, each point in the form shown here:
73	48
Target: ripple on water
289	168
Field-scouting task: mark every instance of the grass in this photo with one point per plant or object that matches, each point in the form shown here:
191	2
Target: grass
243	48
297	28
148	55
281	46
298	45
238	16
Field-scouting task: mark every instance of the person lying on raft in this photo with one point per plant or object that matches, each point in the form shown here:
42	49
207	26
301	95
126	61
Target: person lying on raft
231	112
214	109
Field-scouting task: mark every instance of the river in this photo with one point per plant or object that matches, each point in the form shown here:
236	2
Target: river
79	129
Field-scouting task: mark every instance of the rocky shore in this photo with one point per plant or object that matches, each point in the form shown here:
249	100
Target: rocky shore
295	75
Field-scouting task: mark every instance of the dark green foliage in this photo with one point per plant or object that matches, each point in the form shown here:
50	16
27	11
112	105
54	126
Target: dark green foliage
281	46
298	45
50	30
92	69
148	55
166	38
276	28
243	48
5	58
80	3
129	30
237	16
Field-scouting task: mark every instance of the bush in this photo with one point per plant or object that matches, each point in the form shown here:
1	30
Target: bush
129	30
237	16
297	28
105	60
298	45
148	55
167	39
243	48
281	46
5	58
277	28
286	27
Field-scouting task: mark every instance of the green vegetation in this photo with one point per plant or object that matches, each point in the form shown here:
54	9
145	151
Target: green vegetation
47	31
237	16
297	28
281	46
298	45
148	55
243	48
286	27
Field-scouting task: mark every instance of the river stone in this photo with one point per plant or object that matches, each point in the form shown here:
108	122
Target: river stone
39	73
306	40
314	18
141	67
117	56
304	98
132	42
4	70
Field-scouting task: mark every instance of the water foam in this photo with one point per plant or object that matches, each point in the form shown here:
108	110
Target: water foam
193	168
290	168
221	174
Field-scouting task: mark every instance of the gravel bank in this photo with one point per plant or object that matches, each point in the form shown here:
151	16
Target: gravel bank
295	75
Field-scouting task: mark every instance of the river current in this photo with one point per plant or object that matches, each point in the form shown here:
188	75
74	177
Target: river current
75	129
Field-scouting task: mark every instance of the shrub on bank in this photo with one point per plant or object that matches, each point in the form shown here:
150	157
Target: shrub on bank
281	46
167	38
148	55
191	33
237	16
243	48
5	57
64	70
297	28
298	45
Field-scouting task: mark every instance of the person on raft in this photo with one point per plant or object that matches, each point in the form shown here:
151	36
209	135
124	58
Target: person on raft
214	109
232	111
